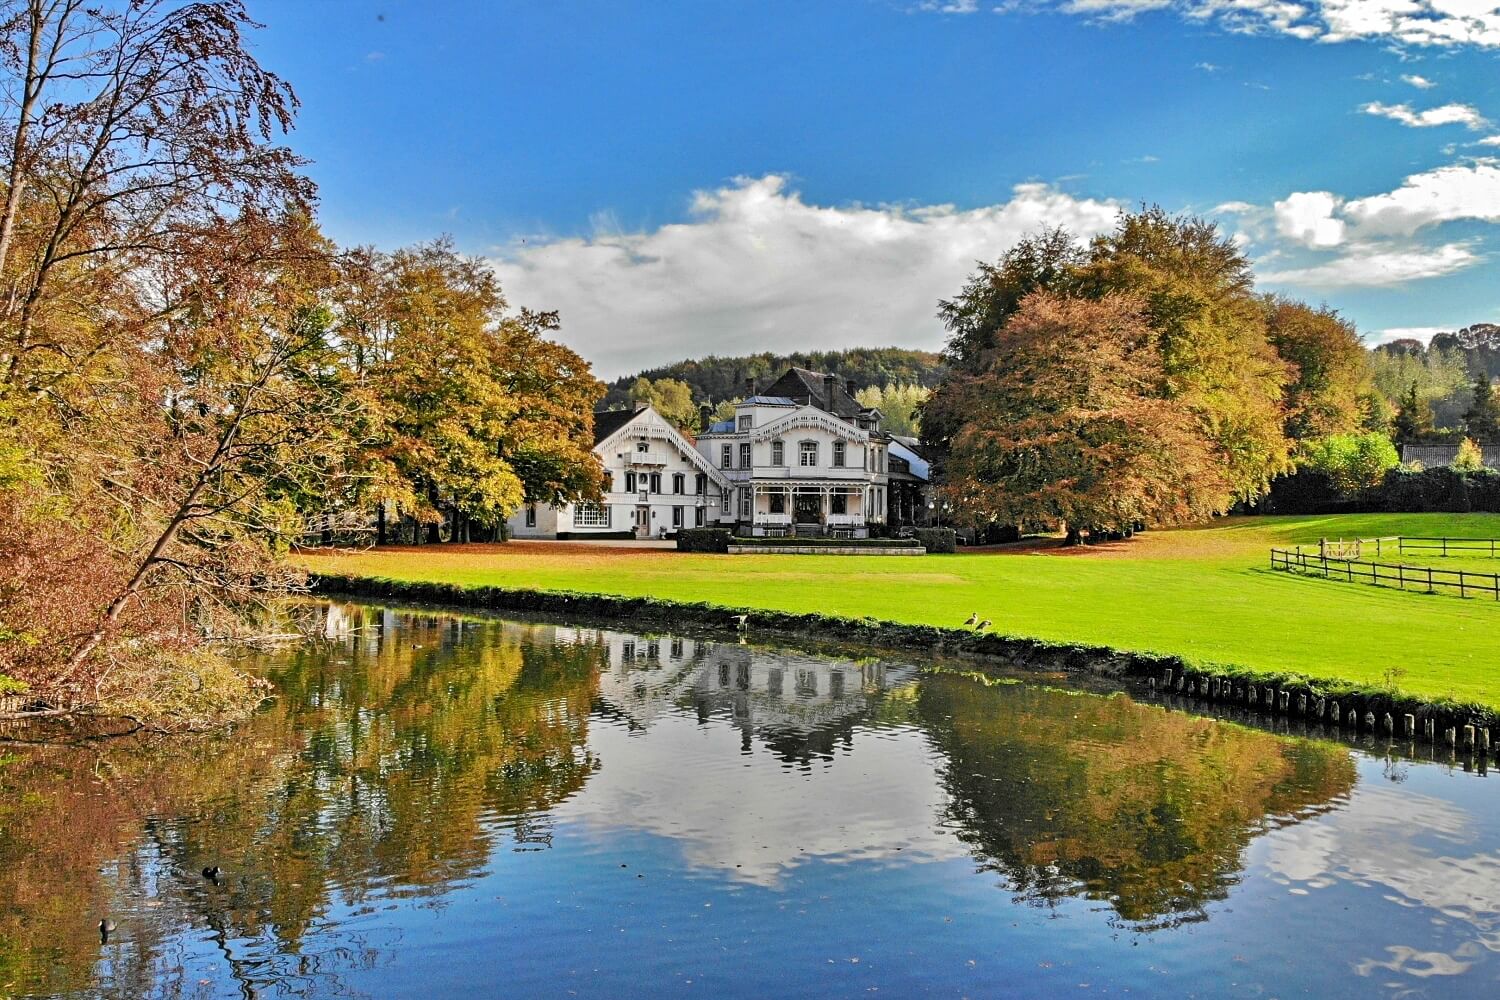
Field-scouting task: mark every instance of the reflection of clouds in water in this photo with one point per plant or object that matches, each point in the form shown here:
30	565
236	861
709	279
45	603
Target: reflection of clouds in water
1386	838
756	822
879	800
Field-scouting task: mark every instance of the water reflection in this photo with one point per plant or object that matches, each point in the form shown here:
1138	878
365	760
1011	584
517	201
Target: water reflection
427	783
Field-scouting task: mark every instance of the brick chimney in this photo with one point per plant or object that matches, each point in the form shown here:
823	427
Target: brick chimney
706	416
849	386
749	386
829	384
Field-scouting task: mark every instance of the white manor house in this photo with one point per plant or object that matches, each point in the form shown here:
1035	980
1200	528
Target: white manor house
799	457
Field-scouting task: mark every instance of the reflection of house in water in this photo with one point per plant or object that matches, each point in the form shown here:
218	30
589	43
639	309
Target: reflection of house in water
764	690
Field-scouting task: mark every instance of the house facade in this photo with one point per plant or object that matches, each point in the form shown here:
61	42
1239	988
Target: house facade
800	457
656	483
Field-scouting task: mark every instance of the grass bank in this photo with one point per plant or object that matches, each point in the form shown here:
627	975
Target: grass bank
1204	594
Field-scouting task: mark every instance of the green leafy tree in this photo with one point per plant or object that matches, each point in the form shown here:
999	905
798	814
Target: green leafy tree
1353	462
1330	388
900	405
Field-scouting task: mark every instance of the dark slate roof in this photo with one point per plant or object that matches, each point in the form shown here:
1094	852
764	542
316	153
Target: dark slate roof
606	422
722	427
770	401
803	386
1440	456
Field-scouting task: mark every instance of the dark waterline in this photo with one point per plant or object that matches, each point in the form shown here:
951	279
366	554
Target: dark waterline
448	806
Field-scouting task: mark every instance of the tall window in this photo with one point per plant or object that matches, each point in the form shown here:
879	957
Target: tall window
531	515
679	483
807	453
745	456
778	453
724	501
726	456
698	517
744	503
656	482
700	484
676	517
838	504
745	420
838	454
630	482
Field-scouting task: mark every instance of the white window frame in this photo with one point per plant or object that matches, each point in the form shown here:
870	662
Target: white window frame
726	456
679	484
531	515
745	455
807	454
778	453
840	451
591	515
677	517
745	421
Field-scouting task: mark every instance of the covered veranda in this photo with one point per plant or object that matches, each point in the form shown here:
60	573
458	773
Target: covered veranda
810	508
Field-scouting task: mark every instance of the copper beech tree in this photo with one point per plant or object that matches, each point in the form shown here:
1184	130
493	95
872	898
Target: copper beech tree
1064	424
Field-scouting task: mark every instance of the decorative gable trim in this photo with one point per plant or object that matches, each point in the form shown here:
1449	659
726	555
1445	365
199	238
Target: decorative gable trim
654	427
810	418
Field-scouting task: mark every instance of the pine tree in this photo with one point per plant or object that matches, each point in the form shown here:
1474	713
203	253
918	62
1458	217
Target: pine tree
1413	417
1482	419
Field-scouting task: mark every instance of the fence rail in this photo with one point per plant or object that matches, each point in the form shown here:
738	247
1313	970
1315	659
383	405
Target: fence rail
1431	579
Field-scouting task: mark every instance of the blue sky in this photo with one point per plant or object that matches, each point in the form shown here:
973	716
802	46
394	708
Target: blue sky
686	178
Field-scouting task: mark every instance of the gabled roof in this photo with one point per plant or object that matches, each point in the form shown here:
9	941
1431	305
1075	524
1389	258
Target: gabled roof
801	384
606	422
768	401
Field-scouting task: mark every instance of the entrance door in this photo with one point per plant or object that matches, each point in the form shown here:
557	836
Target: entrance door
807	508
643	522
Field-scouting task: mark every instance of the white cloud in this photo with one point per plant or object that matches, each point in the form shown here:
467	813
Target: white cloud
1372	266
1493	140
759	269
1420	82
1233	208
1447	114
1422	333
1447	194
1308	218
1418	23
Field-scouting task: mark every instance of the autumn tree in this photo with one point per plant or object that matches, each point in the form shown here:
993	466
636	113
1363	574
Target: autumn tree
670	397
1413	417
1217	360
1066	425
1330	389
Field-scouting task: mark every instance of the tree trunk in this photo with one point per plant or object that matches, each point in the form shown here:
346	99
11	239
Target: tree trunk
380	524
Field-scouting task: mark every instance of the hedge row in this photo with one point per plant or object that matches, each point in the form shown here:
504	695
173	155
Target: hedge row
1366	709
719	540
821	542
1402	491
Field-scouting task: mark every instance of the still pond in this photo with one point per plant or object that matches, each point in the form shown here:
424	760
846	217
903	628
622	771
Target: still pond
444	806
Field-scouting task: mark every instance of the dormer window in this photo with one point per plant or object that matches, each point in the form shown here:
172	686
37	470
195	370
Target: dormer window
746	420
642	447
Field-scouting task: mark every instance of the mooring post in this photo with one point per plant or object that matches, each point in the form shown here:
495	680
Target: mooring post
1429	730
1167	678
1251	699
1319	709
1450	736
1484	738
1390	725
1333	711
1468	736
1411	725
1302	704
1283	699
1370	721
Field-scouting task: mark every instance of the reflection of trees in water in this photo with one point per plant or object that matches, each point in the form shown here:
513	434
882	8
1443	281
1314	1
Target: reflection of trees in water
1106	799
389	763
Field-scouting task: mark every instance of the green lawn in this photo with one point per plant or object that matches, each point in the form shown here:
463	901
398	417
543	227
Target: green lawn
1204	593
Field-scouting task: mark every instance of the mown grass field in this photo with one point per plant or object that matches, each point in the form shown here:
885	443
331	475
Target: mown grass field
1205	593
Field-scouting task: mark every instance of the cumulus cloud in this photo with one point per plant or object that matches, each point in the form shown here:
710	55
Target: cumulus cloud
1378	266
1422	333
1308	218
1447	194
1447	114
1417	23
758	268
1420	82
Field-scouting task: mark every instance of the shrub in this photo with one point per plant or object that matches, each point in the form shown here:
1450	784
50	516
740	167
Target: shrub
1353	462
857	543
937	539
703	540
1469	457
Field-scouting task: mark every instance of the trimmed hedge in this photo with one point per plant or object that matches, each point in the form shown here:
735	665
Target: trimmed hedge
819	541
1359	708
703	540
1402	491
940	540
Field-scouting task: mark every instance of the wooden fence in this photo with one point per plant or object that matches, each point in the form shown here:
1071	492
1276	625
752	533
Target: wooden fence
1430	579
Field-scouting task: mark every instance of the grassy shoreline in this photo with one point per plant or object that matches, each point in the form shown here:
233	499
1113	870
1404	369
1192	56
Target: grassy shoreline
1205	595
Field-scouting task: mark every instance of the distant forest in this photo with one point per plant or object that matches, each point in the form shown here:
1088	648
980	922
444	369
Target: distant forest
714	379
